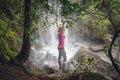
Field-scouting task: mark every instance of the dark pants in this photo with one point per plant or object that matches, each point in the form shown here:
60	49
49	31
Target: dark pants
62	53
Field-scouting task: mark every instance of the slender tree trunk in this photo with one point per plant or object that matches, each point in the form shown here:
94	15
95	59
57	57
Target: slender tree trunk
110	53
26	35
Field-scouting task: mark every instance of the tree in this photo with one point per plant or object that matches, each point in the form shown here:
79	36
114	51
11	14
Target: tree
16	17
24	54
110	10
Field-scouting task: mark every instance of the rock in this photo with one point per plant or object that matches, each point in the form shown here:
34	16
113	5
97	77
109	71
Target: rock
98	66
49	69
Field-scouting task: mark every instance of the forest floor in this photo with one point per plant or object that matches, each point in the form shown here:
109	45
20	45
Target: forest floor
11	72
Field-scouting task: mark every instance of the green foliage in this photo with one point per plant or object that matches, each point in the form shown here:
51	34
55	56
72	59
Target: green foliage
105	48
85	64
96	21
10	30
8	46
110	10
44	4
12	22
70	7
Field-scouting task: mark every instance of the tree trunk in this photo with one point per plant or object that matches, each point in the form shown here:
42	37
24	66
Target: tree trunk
24	53
110	53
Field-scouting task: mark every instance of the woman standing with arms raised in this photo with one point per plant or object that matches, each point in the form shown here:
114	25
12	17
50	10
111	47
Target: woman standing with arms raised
62	53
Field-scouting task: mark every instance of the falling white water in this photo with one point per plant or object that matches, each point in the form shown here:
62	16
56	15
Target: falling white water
46	51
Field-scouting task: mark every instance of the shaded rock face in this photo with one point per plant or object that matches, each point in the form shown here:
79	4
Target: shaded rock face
97	65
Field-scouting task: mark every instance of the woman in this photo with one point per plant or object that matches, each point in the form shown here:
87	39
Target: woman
62	53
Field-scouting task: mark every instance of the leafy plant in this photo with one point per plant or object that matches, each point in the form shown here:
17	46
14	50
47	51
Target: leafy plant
85	64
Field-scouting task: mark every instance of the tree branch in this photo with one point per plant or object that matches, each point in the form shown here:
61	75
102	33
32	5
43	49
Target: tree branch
97	14
110	53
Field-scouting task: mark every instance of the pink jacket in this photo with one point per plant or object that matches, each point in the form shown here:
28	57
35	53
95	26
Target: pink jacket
61	38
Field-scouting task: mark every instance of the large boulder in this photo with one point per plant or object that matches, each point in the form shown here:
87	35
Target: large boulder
86	60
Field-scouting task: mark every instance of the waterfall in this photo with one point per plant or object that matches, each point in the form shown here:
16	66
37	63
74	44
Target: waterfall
46	51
